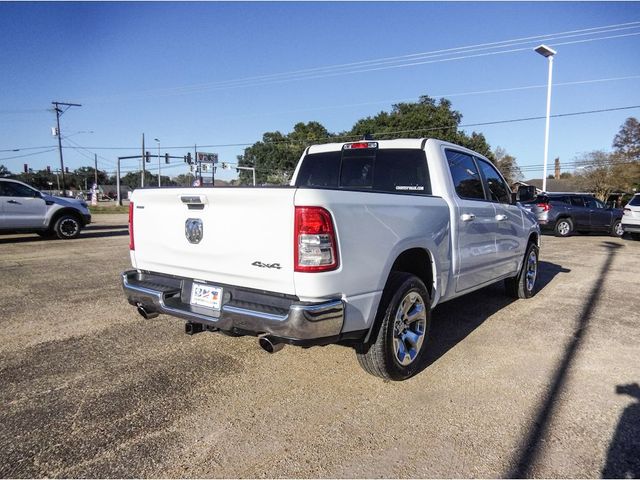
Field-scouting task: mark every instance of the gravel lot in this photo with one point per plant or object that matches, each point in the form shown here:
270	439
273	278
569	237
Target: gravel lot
538	388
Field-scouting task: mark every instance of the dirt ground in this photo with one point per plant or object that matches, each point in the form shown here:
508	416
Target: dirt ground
546	387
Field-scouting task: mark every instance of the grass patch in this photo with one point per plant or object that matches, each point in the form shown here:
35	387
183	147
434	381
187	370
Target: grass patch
111	209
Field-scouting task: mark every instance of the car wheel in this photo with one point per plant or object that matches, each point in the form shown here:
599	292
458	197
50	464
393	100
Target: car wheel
563	227
523	285
403	320
67	227
616	229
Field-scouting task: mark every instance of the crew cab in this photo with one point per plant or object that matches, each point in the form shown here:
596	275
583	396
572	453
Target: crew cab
365	241
25	209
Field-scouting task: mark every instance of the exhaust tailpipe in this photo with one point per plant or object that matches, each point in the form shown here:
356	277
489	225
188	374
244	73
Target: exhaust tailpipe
269	345
147	314
193	328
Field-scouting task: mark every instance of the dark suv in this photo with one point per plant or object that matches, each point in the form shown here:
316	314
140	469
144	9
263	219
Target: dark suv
565	213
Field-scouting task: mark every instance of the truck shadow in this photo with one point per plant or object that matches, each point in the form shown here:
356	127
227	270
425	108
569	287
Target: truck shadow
454	320
623	457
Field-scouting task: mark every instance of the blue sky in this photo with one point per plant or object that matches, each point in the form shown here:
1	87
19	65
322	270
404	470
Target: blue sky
130	64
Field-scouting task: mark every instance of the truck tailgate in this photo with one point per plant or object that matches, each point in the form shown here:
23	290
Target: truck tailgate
247	235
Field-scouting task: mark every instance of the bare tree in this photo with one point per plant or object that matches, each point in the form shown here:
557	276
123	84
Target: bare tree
507	165
603	173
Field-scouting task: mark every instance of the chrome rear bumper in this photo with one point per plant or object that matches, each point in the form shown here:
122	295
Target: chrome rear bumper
161	294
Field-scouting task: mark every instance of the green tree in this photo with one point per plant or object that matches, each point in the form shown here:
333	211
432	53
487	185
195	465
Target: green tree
627	145
627	140
276	155
424	118
4	171
507	165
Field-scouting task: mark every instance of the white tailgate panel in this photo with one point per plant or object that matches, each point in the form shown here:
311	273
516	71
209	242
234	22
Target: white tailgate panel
240	226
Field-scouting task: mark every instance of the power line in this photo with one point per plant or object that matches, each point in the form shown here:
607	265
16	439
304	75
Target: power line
29	154
402	61
337	137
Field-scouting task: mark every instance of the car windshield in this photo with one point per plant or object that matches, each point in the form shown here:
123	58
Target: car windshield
635	201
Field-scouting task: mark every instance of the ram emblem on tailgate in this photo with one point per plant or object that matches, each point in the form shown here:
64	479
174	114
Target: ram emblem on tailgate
193	230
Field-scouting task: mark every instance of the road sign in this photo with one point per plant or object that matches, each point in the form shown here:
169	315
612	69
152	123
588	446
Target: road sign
204	157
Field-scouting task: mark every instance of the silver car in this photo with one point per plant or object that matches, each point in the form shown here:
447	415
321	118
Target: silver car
25	209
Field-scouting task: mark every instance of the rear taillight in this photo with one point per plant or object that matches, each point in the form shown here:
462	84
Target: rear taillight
132	243
315	247
544	206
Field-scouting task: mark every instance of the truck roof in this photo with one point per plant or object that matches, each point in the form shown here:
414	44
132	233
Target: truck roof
398	143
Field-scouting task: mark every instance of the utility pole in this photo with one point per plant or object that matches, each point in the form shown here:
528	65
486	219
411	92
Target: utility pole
59	112
143	164
95	160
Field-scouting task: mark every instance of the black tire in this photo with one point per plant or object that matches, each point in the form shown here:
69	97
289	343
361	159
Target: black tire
520	286
616	229
379	356
563	228
67	227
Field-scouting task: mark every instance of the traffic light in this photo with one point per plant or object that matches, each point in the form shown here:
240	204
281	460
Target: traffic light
66	169
147	157
26	168
189	161
224	165
48	169
166	158
185	159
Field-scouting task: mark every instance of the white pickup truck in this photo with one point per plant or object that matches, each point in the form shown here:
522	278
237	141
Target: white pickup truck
367	239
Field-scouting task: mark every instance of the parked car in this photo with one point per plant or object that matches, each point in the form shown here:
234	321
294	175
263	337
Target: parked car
631	217
367	239
565	213
25	209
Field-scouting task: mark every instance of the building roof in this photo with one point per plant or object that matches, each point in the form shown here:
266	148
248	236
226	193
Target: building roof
553	185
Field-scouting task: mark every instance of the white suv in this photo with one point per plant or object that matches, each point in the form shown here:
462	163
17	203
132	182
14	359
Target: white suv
631	217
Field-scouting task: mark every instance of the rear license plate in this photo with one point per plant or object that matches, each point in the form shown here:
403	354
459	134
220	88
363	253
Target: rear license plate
206	295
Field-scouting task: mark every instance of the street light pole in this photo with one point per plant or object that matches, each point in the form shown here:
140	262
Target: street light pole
548	53
159	182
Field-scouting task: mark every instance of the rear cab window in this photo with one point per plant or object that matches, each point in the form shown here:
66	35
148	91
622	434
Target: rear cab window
635	201
386	170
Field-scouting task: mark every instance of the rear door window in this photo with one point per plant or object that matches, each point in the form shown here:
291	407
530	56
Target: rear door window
635	201
466	178
577	202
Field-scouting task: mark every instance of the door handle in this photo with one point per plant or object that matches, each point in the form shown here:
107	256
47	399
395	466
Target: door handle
467	217
501	218
14	202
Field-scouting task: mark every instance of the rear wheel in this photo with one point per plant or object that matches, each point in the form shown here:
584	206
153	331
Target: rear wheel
563	227
616	229
523	285
397	351
67	227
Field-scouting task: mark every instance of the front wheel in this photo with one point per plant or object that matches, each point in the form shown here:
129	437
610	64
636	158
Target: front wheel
523	285
397	351
67	227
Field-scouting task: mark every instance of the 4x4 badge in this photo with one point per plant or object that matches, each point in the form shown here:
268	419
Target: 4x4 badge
266	265
193	230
